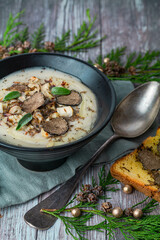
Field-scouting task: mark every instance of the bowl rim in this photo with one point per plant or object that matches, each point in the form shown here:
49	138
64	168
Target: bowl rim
91	134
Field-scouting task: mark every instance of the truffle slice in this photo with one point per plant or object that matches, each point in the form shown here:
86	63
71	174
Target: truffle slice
73	99
56	126
149	160
18	87
156	177
34	102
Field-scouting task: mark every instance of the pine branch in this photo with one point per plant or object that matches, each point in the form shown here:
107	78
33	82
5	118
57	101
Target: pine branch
150	206
60	43
104	180
146	65
146	228
144	62
11	34
130	58
38	37
84	39
94	183
23	35
115	54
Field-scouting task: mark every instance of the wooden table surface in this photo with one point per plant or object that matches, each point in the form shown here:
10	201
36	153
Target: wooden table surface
134	24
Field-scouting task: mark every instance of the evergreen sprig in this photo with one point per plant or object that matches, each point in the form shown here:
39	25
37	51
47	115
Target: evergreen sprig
23	35
146	228
84	38
115	54
147	65
60	43
38	37
106	180
11	34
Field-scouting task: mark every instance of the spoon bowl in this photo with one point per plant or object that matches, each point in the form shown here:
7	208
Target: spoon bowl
136	113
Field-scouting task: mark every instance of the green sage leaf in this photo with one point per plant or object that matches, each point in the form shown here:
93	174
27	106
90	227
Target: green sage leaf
24	120
12	95
60	91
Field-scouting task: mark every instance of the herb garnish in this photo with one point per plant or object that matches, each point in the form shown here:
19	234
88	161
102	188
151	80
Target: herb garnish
60	91
24	120
12	95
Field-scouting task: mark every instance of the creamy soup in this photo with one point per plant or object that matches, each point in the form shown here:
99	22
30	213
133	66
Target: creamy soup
55	118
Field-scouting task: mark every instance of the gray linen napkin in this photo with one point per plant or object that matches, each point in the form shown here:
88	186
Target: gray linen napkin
18	185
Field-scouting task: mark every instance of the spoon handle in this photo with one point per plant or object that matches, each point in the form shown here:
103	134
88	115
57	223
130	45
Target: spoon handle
61	196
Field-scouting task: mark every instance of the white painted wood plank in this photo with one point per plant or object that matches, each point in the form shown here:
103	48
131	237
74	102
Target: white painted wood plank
12	225
130	23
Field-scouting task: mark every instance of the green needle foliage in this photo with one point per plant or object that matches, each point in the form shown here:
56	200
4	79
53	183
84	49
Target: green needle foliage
24	35
146	228
38	37
84	39
115	54
147	65
106	180
11	34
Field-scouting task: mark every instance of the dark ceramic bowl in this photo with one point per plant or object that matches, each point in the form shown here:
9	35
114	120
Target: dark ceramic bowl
43	159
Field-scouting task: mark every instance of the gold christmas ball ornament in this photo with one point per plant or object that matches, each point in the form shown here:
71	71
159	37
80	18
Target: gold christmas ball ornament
76	212
127	189
117	212
137	213
106	60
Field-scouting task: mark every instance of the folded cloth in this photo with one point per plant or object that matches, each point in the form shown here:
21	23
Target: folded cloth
18	185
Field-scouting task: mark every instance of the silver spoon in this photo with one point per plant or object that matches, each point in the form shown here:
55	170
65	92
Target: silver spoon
132	117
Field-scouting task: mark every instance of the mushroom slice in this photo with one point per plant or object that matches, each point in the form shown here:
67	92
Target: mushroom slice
56	126
32	103
65	111
73	99
18	87
15	110
1	107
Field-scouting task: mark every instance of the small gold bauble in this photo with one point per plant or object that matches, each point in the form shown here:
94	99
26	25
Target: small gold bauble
76	212
106	60
117	212
127	189
137	213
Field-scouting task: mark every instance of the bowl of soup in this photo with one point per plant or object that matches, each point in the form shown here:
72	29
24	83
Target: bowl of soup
51	105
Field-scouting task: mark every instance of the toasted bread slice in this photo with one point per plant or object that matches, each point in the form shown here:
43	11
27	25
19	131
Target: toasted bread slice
129	170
